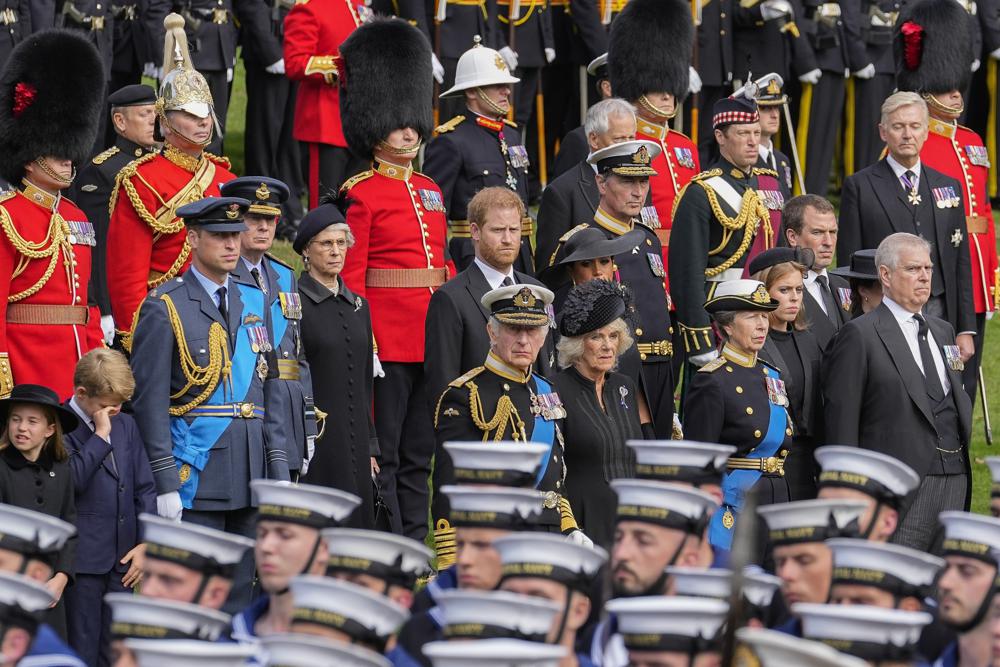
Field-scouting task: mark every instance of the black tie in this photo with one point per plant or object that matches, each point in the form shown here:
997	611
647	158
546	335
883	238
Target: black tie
507	282
257	279
934	389
828	301
223	306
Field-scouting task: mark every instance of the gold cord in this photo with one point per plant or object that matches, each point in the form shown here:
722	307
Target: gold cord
506	414
219	364
47	248
752	213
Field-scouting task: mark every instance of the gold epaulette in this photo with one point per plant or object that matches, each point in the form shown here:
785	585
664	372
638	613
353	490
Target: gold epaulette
713	365
354	180
278	261
707	174
757	171
7	194
460	381
100	158
510	122
450	125
219	159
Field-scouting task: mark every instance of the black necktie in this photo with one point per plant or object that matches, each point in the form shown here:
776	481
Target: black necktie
828	301
257	279
507	282
934	389
223	306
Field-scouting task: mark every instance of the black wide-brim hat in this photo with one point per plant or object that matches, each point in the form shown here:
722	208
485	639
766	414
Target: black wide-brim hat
585	244
862	266
37	394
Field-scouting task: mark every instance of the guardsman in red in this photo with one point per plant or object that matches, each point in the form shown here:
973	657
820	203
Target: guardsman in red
399	258
46	320
147	244
648	61
957	151
314	31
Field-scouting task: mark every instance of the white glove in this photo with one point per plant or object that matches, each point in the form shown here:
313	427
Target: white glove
377	365
975	65
775	9
282	482
437	69
694	81
276	68
990	314
812	76
995	54
866	72
550	55
580	537
108	328
168	505
700	360
509	57
310	452
149	69
229	75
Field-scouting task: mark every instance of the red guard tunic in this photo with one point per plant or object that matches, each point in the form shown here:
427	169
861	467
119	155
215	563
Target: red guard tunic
398	259
675	166
147	244
959	152
45	258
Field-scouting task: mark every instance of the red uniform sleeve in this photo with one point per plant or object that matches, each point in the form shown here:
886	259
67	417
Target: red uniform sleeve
95	336
8	260
302	36
130	248
359	219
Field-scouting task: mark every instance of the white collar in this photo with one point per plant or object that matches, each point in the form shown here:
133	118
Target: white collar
494	277
87	419
765	151
899	169
902	315
813	274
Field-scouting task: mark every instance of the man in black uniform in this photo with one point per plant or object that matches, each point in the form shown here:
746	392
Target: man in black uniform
871	85
130	44
16	20
133	114
715	68
456	23
94	18
574	147
715	221
769	104
479	148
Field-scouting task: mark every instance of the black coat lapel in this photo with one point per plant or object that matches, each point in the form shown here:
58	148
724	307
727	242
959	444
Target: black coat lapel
893	198
892	337
588	186
477	287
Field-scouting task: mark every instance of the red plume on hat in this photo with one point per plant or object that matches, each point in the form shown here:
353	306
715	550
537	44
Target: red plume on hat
913	44
932	47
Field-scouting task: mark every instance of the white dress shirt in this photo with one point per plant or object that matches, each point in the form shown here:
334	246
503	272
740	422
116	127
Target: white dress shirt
814	288
899	170
910	327
494	277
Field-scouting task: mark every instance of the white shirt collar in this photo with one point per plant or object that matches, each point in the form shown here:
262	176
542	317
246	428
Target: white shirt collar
494	277
813	274
764	151
84	417
209	285
259	265
899	169
902	315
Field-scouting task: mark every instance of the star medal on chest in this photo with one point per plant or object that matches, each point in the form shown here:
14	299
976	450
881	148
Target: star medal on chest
954	358
259	339
262	367
776	391
913	197
728	520
291	305
956	238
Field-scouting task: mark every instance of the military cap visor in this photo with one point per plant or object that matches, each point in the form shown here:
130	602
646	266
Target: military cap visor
740	295
770	87
519	305
215	214
630	159
132	96
266	195
599	66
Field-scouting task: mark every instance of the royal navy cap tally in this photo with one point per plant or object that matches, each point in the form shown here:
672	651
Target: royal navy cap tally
215	214
32	533
132	95
629	158
520	305
170	653
393	558
266	195
657	623
993	462
769	91
296	650
140	617
881	476
503	463
469	614
972	535
740	294
494	653
805	521
664	504
549	557
870	633
493	507
305	504
680	460
362	615
21	599
770	648
902	571
205	550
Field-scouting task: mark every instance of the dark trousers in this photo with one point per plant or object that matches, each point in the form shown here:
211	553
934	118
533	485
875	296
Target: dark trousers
326	169
219	88
801	469
406	438
658	377
88	618
824	120
970	376
238	522
868	98
918	527
268	145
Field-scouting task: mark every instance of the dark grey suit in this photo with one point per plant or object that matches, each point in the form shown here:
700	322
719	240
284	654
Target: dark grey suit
820	323
568	201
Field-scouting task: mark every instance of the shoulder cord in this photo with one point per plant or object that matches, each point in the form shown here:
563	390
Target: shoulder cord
752	213
219	363
506	414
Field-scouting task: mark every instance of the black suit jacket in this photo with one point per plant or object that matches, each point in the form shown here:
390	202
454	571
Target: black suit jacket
573	149
820	323
455	331
875	393
568	201
873	206
809	421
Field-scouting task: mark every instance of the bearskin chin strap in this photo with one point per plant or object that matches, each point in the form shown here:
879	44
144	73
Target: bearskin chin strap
659	112
938	105
51	173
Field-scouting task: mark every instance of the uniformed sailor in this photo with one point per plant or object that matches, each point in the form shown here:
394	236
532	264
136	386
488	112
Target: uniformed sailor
479	148
22	602
142	617
697	464
300	650
882	575
770	101
879	636
681	631
382	562
475	615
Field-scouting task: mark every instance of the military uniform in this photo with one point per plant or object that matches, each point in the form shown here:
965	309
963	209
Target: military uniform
95	19
715	67
456	22
762	45
471	152
16	19
130	44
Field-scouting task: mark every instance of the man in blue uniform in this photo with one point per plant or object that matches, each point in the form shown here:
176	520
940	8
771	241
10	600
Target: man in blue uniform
199	358
292	420
22	601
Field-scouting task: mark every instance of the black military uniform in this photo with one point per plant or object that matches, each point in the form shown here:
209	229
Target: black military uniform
532	36
16	20
770	157
774	45
130	44
715	67
456	23
93	18
93	185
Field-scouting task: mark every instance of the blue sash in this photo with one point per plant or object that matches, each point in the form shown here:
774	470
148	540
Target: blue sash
544	430
278	321
736	483
193	441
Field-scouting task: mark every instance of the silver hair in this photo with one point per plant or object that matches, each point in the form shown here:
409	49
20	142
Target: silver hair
897	101
570	348
342	227
887	253
596	121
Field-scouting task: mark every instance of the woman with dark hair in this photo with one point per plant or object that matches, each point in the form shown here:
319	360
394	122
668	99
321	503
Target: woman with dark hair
793	349
739	399
34	466
866	288
602	405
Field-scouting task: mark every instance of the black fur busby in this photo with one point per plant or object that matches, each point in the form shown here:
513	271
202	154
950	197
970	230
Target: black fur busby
650	48
933	48
385	83
51	99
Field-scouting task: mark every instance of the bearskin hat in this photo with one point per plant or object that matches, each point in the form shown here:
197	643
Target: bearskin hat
650	48
51	99
933	48
385	83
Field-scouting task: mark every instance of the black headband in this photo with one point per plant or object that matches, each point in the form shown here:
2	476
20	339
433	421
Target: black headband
328	619
496	477
297	515
859	482
126	630
969	549
872	651
573	579
860	576
204	565
654	641
392	574
708	474
661	516
488	631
